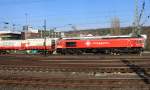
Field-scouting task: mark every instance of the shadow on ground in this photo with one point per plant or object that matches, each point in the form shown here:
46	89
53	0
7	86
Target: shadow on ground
138	70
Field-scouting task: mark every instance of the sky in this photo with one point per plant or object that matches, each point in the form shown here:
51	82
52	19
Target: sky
63	13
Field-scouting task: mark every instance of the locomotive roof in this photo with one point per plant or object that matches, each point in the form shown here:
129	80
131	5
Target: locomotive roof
101	37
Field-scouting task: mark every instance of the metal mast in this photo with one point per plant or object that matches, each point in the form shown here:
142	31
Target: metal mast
26	29
137	18
136	14
45	26
136	30
26	15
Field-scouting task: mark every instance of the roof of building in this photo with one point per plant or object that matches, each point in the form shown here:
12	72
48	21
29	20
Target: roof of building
12	32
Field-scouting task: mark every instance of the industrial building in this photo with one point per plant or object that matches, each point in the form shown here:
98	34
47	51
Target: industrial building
9	35
29	32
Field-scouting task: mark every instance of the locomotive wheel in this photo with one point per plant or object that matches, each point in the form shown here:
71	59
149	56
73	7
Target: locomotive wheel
3	52
50	52
70	51
115	52
78	52
139	53
107	52
63	52
60	52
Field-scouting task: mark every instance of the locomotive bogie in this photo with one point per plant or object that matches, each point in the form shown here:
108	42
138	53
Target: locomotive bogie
74	51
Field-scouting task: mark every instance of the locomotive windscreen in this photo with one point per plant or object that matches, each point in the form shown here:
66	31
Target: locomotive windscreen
70	44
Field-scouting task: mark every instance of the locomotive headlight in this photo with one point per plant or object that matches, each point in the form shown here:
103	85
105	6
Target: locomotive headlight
59	46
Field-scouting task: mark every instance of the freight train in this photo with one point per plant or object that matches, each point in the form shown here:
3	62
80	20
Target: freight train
78	45
38	45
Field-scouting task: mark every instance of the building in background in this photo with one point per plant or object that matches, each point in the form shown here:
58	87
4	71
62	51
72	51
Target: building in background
9	35
30	33
51	34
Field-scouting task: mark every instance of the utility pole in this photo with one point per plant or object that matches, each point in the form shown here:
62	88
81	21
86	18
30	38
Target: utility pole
136	19
26	15
14	27
136	13
41	32
25	31
45	36
45	25
6	25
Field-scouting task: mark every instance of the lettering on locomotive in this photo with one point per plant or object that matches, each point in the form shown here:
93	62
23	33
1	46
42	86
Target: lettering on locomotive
101	43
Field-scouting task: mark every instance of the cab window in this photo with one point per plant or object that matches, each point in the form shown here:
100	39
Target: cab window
70	44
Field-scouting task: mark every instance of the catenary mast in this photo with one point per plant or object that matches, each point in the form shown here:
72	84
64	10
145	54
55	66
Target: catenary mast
137	18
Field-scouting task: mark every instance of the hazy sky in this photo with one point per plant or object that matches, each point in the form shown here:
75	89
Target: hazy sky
81	13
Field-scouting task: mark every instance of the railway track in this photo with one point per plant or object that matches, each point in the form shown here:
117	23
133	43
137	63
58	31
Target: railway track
67	63
124	65
100	66
90	82
74	69
73	57
17	69
64	87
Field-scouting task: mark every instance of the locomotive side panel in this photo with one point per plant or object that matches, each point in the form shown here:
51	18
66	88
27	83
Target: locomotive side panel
101	45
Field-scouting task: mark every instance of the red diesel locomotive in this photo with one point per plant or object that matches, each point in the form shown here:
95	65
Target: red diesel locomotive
105	45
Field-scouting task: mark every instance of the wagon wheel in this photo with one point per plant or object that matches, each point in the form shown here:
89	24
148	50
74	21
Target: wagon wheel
115	52
79	52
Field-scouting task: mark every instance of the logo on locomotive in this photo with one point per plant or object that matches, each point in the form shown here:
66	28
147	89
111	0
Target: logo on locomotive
101	43
88	43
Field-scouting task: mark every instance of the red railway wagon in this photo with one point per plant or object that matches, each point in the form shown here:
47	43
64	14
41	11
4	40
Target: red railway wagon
101	45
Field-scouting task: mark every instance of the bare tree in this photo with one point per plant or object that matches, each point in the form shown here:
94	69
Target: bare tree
115	26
